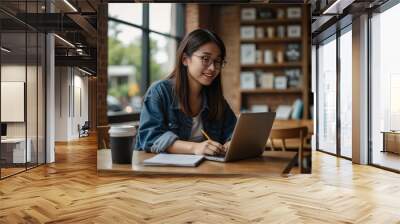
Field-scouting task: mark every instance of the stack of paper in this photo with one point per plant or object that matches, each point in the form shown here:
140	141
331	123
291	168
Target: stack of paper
174	160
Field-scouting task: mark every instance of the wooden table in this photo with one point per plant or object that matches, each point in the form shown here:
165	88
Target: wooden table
270	164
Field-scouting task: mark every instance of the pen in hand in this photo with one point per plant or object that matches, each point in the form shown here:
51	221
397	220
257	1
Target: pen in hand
208	138
205	134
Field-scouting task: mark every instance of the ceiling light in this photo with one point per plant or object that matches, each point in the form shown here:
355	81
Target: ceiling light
70	5
84	71
5	50
65	41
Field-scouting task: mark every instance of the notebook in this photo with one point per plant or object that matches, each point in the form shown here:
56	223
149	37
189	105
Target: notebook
164	159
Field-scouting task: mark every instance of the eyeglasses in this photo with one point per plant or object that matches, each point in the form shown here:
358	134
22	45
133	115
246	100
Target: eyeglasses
206	61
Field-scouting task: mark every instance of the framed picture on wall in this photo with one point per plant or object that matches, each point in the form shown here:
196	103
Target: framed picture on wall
12	101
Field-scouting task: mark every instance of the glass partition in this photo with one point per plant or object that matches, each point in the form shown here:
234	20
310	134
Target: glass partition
326	99
31	98
13	87
22	64
41	97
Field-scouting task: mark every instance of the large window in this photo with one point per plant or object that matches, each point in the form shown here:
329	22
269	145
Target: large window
327	95
345	42
385	84
334	95
142	42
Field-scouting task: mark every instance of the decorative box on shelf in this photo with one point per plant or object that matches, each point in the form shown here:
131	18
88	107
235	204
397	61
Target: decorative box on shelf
247	80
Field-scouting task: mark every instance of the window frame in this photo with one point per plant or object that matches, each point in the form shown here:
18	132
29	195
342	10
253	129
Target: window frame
336	30
145	47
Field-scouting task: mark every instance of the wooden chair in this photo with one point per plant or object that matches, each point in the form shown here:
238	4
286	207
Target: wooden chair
299	133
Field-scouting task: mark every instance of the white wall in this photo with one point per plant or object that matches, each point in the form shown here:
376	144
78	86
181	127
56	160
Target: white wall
71	102
61	104
33	106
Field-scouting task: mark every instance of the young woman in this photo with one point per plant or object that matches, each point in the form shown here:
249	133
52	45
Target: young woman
176	110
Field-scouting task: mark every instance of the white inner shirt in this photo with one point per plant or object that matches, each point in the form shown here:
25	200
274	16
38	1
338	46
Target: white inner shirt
196	135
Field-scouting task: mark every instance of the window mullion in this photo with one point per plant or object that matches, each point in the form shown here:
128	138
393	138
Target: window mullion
145	80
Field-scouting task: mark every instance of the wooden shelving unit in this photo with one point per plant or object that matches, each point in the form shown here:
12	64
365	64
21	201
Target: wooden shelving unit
276	65
271	21
272	40
277	43
276	91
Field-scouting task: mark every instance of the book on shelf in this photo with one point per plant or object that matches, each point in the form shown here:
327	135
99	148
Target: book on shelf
266	13
259	57
268	57
283	112
248	14
294	78
270	32
260	32
280	31
293	52
247	54
280	82
293	12
247	80
294	31
247	32
297	109
266	80
280	14
256	108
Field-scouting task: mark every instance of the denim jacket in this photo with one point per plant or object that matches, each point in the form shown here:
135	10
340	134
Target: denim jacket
162	122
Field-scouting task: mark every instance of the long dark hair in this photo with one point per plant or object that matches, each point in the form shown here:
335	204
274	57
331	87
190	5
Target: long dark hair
193	41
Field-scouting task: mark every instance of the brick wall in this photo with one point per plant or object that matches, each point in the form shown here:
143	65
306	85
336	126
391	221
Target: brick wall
225	21
228	25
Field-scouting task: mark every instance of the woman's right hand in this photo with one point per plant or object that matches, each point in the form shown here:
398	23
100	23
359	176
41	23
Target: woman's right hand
208	147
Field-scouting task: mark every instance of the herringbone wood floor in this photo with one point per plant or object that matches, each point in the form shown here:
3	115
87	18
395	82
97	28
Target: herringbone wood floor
69	191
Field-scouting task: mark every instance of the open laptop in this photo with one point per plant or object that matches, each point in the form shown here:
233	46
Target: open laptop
249	137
